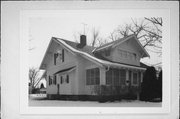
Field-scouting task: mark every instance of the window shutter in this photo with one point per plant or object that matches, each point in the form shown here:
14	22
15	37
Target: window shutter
62	55
49	80
55	56
67	78
55	79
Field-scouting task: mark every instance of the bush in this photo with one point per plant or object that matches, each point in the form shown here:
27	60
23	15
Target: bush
149	85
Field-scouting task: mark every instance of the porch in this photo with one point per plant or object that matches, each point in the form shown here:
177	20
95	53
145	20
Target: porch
118	82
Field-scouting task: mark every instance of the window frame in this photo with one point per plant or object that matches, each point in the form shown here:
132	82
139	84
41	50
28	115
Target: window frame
50	80
54	79
132	81
92	77
110	79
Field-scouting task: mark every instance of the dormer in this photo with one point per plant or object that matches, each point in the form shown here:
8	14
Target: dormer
127	50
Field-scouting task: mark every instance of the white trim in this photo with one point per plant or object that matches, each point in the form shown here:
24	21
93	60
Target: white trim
122	41
91	67
104	47
126	66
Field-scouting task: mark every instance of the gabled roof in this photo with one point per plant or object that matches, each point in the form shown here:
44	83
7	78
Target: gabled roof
110	44
88	49
119	41
87	52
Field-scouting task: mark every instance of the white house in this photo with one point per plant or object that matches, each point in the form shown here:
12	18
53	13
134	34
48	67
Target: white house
76	70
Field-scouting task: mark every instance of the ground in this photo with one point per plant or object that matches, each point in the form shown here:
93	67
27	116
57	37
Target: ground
38	100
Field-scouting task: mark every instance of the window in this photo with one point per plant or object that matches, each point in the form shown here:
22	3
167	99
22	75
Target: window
123	76
61	79
116	80
59	55
123	54
127	54
109	77
64	79
54	80
134	54
135	78
92	76
50	80
97	76
129	75
88	77
115	76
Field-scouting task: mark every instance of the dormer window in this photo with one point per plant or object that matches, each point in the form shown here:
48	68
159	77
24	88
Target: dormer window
59	56
134	54
127	54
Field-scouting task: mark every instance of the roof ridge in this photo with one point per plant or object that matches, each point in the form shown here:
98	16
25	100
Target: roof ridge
71	41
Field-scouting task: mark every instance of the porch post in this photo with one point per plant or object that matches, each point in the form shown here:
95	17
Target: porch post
102	76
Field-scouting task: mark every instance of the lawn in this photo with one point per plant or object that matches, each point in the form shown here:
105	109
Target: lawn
40	100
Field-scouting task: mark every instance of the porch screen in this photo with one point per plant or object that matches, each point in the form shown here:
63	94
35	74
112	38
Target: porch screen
92	76
115	76
135	78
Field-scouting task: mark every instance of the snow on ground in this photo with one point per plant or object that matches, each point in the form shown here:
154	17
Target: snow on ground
39	101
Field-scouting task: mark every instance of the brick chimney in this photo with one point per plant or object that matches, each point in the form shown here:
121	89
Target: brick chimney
82	41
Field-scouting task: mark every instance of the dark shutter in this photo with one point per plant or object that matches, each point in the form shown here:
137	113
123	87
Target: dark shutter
55	79
62	55
67	78
49	80
54	58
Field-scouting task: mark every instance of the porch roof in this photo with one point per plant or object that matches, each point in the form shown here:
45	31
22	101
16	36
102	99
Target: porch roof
64	70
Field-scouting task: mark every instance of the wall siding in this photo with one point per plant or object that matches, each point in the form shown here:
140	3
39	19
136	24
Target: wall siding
69	61
126	46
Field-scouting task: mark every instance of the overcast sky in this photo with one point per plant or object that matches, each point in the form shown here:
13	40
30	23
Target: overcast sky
68	24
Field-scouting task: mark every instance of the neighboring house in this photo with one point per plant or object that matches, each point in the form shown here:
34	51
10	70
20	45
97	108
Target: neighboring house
78	70
41	86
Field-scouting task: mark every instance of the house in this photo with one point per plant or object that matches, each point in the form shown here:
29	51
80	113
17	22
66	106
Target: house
42	84
78	71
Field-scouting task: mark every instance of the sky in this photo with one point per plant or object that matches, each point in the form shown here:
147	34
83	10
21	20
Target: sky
68	25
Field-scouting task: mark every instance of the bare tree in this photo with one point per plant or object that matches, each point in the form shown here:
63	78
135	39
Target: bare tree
147	30
33	77
96	40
